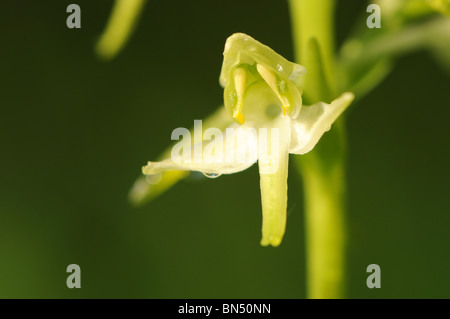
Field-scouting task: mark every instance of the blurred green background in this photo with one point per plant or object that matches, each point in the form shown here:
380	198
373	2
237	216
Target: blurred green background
75	132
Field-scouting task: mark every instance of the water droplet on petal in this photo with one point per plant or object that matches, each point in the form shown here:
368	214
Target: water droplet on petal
211	175
153	179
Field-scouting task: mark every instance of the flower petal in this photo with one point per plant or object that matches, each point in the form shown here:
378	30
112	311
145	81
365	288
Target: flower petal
313	121
241	48
228	152
142	191
273	170
247	61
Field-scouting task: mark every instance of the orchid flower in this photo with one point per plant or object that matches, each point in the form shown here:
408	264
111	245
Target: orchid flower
262	90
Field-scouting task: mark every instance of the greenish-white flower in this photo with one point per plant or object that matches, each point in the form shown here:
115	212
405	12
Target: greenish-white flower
262	90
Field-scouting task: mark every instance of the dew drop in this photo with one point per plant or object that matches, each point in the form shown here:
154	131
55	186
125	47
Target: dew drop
153	179
211	175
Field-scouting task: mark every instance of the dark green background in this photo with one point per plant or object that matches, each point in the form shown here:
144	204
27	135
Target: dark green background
75	132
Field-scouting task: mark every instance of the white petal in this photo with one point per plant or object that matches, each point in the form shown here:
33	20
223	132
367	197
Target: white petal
143	191
313	121
273	170
229	151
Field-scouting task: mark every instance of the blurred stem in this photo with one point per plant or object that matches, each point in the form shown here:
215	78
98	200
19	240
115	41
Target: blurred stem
323	169
364	61
120	26
356	53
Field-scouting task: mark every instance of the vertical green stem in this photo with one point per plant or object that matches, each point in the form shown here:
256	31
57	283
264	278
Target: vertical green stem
323	169
314	20
324	189
325	231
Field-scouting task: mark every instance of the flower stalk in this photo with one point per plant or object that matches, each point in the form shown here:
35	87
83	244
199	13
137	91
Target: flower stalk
323	174
323	169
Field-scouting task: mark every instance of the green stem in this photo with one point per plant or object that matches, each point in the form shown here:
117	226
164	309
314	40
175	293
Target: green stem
325	232
324	190
323	169
313	20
